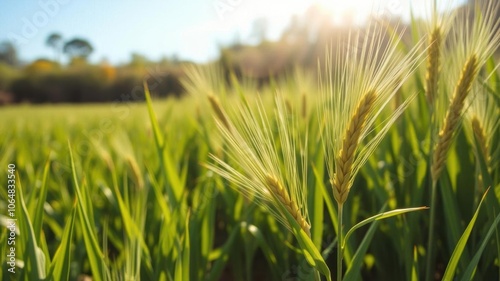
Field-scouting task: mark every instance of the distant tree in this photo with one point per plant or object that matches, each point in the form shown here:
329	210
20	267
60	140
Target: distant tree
7	75
78	48
54	41
8	53
40	66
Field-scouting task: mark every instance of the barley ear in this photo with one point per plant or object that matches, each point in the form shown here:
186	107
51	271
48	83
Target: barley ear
433	65
282	195
453	115
219	112
480	135
136	173
344	161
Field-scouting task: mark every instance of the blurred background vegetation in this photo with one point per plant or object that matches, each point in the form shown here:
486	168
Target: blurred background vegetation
49	80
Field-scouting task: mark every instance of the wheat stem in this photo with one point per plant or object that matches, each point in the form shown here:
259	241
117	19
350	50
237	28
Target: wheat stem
453	115
340	241
430	242
345	159
282	195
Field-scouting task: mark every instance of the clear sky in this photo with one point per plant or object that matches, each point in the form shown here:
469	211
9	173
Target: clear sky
190	29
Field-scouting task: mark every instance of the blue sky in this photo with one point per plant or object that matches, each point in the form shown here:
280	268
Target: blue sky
190	29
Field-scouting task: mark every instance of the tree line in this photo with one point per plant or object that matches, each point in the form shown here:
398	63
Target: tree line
302	44
50	81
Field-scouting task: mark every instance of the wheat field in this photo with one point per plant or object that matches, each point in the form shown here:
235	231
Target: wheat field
382	165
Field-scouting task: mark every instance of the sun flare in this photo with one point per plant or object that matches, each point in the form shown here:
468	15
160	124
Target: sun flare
341	12
347	12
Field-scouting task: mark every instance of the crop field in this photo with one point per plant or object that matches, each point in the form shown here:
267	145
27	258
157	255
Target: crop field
380	165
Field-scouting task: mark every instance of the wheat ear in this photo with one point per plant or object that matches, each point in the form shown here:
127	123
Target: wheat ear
453	115
481	138
219	112
136	173
345	158
433	67
282	195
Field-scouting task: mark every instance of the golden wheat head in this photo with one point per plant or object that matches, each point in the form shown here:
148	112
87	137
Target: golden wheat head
350	142
453	115
219	112
471	45
482	123
282	195
433	65
359	83
437	26
260	169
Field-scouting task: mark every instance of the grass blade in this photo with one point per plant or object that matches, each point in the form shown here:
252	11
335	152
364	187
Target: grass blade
222	256
311	253
382	216
186	250
94	253
452	214
171	174
471	268
354	269
34	257
414	268
457	253
38	218
264	246
60	266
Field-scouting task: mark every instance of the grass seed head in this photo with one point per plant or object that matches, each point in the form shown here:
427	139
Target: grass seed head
437	26
473	40
482	123
282	195
219	112
260	166
480	135
433	65
136	173
345	159
359	82
453	115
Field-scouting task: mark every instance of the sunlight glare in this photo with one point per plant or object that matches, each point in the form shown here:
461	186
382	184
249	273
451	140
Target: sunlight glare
348	12
341	12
